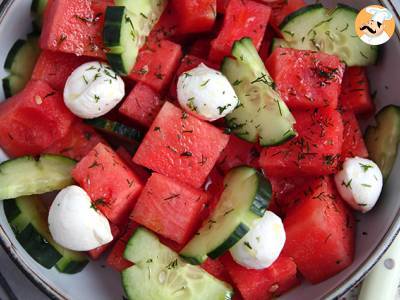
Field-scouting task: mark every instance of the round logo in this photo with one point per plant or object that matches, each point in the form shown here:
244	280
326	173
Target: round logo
375	25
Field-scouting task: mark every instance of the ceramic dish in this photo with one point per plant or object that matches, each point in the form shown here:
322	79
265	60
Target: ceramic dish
375	231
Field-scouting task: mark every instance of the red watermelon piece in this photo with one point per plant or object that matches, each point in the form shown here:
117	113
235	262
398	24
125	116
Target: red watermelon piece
33	119
156	64
306	79
116	258
214	187
188	63
181	146
356	93
78	142
166	27
280	12
262	284
195	15
169	208
353	141
75	26
142	104
314	152
127	158
243	18
320	231
216	269
97	252
238	153
110	183
55	67
222	5
286	191
200	48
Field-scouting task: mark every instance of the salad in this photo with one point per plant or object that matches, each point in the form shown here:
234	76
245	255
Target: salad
209	149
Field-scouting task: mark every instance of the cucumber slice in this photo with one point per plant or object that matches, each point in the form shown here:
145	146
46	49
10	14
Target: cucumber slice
71	262
126	29
262	115
159	273
28	219
150	11
27	176
20	61
245	198
382	141
332	31
12	84
37	10
116	129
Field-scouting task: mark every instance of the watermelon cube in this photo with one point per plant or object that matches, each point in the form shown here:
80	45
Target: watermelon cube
33	119
356	93
222	5
238	153
97	252
169	208
78	142
115	258
353	141
243	18
195	16
75	26
285	8
55	67
262	284
156	64
216	269
200	48
181	146
142	173
314	152
320	231
306	79
166	27
286	192
188	63
142	104
110	183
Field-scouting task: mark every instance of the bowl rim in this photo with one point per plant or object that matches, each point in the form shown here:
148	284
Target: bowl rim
350	282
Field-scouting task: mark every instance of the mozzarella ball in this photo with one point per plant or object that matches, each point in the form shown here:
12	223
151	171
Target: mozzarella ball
359	183
206	93
75	224
92	90
262	245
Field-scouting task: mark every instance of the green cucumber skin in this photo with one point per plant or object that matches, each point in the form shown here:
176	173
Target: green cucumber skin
264	191
112	28
11	210
115	60
7	87
299	12
235	237
71	267
37	247
116	128
11	54
382	157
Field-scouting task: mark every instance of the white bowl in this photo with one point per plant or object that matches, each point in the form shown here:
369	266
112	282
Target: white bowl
375	230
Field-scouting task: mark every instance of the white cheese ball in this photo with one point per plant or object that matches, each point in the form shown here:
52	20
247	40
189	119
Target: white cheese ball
75	224
262	245
359	183
206	93
92	90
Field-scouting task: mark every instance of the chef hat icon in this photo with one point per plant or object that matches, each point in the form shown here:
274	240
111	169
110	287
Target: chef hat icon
379	14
